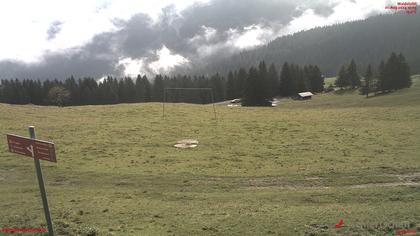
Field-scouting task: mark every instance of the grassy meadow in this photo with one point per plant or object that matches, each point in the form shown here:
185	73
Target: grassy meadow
295	169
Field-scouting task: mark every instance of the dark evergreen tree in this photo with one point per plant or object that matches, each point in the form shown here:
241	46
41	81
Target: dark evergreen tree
300	80
263	80
255	93
368	82
316	79
158	87
403	78
230	86
390	73
286	85
74	91
217	84
273	80
342	80
240	82
129	93
250	93
353	75
143	89
381	77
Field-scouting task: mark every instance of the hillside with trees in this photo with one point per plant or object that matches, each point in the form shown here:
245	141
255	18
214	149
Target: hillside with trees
367	41
392	74
257	86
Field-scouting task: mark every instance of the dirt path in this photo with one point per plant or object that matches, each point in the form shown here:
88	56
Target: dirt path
315	182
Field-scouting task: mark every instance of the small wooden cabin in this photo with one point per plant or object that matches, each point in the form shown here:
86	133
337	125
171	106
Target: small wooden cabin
305	95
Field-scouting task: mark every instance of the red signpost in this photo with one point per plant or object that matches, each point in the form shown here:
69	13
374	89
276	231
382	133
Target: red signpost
31	147
38	150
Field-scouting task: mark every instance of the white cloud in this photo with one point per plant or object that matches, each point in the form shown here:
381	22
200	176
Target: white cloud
206	35
343	11
132	67
166	61
24	28
24	23
254	35
237	39
209	33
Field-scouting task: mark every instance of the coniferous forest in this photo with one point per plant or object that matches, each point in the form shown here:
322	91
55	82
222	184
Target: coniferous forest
368	41
257	86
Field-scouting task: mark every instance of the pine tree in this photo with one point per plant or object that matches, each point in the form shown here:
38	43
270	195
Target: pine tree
342	80
250	97
143	89
240	82
301	84
316	79
230	86
404	79
140	89
381	77
255	89
286	81
158	88
394	74
391	73
129	91
354	77
273	80
74	92
368	79
217	82
264	82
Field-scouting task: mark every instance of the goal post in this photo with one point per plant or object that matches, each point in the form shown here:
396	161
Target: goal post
208	90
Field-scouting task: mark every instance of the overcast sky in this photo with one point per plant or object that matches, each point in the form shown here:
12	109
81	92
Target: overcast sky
55	39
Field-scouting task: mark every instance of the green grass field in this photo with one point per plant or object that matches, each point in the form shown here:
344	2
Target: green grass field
295	169
329	81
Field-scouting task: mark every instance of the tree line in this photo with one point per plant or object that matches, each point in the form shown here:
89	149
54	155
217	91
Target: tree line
392	74
263	84
257	86
110	90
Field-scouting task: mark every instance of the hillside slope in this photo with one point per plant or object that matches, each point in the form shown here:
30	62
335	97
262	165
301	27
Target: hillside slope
367	41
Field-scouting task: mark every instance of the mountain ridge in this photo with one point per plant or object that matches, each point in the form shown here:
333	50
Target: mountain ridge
368	41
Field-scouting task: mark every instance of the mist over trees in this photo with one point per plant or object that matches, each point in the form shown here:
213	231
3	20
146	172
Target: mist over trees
367	41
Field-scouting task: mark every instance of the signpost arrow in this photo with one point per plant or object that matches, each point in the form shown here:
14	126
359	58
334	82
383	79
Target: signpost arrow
36	149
